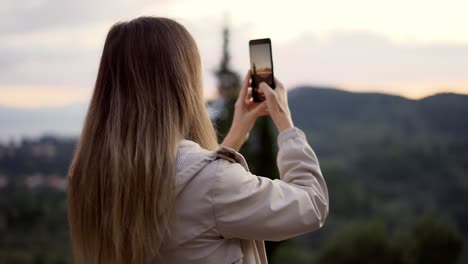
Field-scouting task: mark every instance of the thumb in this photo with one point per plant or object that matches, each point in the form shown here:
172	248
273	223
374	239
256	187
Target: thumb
265	89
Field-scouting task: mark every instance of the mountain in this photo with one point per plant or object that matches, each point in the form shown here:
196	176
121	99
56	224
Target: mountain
389	157
355	120
359	120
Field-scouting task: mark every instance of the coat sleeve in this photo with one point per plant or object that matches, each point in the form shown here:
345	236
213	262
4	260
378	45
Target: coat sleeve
252	207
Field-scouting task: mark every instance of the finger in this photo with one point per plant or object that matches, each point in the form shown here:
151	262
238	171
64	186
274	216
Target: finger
244	87
265	89
249	95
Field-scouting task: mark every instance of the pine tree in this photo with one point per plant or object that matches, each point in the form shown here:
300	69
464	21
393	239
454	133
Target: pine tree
260	150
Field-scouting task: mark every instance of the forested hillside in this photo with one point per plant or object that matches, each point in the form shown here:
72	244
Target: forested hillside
389	159
397	172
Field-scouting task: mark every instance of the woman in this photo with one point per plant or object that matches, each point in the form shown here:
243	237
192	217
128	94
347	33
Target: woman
149	183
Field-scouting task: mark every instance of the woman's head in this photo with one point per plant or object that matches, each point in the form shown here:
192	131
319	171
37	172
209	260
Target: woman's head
147	97
150	68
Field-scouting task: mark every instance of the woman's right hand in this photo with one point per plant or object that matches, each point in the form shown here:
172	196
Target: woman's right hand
277	104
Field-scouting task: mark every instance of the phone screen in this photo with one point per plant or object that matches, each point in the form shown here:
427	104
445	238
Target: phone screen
261	65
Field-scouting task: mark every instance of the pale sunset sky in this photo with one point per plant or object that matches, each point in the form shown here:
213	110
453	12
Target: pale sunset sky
50	50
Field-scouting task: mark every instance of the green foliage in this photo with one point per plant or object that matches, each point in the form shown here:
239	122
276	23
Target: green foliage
370	242
360	243
33	226
432	242
291	252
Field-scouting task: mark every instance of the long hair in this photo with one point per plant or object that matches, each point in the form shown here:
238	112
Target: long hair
147	97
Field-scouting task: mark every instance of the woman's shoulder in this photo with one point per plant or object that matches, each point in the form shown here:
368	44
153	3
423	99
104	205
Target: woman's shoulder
195	161
191	153
231	155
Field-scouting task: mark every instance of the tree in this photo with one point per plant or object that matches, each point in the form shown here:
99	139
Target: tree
432	242
260	150
360	243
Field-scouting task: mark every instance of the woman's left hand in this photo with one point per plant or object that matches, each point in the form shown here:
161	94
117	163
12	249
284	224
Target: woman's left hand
246	111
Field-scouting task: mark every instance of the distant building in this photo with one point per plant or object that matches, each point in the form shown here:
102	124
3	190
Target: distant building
34	180
3	181
54	182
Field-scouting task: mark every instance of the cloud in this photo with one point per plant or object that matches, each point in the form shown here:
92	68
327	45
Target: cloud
369	60
36	15
58	44
44	66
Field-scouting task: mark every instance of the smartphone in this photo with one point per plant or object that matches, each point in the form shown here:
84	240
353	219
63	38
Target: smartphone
261	66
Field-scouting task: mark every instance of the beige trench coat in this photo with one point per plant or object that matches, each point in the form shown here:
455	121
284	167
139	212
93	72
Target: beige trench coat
225	212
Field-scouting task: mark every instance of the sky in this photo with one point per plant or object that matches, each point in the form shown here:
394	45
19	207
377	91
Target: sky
50	50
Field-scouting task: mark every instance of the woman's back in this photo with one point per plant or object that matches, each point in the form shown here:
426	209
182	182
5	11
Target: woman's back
224	212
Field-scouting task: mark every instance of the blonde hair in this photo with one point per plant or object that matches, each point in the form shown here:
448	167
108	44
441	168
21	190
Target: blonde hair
147	97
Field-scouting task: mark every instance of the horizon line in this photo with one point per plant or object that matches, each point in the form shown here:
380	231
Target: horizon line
216	95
